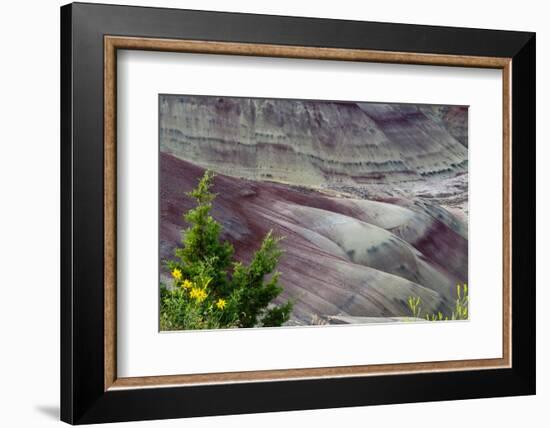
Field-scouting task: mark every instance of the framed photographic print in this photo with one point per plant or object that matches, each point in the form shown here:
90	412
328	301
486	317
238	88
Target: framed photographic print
265	213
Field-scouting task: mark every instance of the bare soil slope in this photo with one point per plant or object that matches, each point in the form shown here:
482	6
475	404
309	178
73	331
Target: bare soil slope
345	257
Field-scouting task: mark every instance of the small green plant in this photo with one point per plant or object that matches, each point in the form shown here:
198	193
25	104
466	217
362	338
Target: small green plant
460	311
461	305
414	306
437	317
209	290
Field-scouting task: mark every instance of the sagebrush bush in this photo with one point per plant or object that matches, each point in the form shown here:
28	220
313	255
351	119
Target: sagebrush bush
209	289
460	311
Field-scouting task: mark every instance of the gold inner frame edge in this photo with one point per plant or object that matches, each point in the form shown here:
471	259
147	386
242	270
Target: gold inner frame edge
113	43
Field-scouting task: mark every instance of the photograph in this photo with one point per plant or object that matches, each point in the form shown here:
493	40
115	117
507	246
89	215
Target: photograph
291	212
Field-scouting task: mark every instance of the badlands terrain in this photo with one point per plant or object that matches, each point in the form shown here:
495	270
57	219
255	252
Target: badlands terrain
371	199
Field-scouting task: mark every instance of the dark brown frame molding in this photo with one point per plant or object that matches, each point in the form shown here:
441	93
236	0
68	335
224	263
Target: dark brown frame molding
91	391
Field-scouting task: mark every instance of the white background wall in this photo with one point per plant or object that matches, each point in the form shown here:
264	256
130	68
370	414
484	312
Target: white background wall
29	212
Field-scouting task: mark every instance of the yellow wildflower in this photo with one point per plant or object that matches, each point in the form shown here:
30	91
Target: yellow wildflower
187	284
198	294
220	304
176	273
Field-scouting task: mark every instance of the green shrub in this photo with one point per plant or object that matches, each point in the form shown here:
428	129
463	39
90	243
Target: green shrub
414	306
209	289
460	311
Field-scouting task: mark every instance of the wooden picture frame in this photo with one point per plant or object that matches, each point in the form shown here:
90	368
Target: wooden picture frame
91	390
